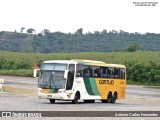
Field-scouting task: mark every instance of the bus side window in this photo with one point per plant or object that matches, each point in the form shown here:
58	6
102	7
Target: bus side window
122	73
85	71
116	72
79	70
90	70
96	72
110	73
103	72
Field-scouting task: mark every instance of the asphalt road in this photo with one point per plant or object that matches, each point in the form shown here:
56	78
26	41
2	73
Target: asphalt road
138	98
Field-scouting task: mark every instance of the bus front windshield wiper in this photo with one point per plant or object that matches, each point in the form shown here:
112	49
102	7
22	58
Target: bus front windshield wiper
43	86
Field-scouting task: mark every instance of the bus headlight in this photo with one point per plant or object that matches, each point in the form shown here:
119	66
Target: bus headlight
61	91
39	90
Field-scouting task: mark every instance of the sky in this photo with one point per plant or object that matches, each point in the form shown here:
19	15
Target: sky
69	15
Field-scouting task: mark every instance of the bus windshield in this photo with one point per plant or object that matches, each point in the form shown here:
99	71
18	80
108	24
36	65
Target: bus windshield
52	75
51	79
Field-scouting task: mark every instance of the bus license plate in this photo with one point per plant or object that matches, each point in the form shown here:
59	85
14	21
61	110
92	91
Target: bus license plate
45	90
49	96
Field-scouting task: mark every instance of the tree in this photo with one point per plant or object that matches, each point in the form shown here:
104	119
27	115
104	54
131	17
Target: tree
22	29
79	31
117	50
104	31
31	30
45	32
134	47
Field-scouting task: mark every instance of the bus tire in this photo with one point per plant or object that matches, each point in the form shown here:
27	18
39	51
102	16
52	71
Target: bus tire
109	97
114	98
52	101
104	101
89	101
76	97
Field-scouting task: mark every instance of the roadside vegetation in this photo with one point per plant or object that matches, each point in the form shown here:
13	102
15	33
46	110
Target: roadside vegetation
58	42
142	67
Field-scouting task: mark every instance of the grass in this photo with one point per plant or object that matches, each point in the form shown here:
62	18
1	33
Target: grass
108	57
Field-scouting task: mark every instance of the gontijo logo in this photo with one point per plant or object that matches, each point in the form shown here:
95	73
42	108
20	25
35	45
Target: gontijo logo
109	82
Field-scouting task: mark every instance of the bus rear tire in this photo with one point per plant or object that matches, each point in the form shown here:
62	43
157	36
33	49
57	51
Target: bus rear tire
52	101
114	98
109	97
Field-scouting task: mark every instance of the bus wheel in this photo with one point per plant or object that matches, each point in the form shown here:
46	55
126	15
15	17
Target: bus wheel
76	97
114	97
89	101
52	100
109	98
104	101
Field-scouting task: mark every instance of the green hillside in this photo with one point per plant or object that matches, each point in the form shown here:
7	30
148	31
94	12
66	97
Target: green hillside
58	42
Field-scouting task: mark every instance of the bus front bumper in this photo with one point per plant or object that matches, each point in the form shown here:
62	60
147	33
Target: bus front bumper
57	96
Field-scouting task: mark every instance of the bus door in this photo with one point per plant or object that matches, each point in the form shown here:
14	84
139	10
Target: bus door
70	77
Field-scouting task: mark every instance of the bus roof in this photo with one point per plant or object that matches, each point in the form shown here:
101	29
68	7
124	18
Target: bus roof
98	63
86	62
60	61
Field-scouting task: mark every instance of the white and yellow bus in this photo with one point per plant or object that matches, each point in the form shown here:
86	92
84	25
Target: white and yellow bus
80	79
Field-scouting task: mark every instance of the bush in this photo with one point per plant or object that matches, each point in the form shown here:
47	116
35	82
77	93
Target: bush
6	64
142	73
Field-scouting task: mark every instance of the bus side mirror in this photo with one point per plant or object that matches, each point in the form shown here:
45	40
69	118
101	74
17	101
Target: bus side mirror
66	74
35	73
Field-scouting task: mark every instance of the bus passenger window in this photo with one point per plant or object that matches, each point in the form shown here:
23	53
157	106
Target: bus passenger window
86	71
79	70
90	71
110	73
116	72
122	73
96	72
103	72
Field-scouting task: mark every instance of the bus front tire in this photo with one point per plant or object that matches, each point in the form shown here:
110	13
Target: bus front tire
76	97
52	101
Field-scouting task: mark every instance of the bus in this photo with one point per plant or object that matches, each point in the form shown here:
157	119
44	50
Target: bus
79	79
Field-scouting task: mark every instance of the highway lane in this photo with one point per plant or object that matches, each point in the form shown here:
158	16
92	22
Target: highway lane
20	81
138	98
134	93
